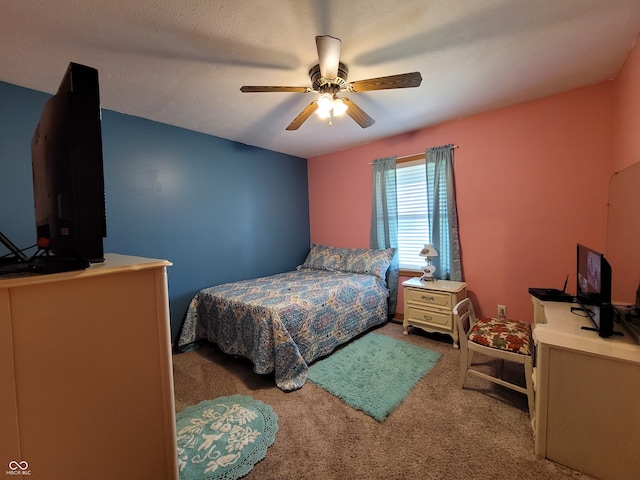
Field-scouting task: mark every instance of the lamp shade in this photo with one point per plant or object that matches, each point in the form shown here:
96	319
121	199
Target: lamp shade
428	251
325	102
339	107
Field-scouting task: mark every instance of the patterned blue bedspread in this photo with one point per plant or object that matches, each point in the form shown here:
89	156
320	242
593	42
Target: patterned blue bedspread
283	322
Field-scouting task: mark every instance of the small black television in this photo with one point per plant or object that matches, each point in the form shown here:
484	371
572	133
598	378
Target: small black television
593	291
68	175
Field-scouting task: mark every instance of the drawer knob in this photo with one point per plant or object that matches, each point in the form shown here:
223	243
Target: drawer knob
424	297
427	317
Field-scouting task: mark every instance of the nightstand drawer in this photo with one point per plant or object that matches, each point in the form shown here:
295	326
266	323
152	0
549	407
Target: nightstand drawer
431	317
428	297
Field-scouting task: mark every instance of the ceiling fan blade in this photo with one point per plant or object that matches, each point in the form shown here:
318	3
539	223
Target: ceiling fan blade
303	115
252	89
328	55
355	112
403	80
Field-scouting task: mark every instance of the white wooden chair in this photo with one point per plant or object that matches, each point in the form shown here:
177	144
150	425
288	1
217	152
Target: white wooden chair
499	338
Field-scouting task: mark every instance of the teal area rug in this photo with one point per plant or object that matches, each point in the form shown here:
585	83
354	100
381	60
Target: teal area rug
223	439
373	373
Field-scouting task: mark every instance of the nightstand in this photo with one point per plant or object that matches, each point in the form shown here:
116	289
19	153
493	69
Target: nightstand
429	305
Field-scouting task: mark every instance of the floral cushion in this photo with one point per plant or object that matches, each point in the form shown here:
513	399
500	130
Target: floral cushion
511	335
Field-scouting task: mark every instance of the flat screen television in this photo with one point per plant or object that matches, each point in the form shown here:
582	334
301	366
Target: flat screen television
68	177
593	292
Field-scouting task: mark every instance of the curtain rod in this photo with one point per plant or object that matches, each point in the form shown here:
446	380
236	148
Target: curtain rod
415	156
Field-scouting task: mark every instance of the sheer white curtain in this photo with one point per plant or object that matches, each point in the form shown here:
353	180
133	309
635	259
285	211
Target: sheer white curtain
384	220
443	221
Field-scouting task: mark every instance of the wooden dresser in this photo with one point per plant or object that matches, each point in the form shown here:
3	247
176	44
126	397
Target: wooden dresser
86	382
587	391
429	305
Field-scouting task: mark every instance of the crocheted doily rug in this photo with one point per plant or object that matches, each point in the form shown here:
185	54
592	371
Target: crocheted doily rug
223	439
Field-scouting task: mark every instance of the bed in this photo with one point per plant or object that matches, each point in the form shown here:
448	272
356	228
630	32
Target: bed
284	322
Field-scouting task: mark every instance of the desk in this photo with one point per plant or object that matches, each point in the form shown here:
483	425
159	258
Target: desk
587	395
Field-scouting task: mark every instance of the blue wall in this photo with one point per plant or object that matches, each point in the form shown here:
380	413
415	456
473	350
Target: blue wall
219	210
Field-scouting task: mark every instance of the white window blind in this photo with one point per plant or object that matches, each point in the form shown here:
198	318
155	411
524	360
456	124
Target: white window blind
413	214
415	210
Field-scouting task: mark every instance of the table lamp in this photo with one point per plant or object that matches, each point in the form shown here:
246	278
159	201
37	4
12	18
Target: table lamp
428	251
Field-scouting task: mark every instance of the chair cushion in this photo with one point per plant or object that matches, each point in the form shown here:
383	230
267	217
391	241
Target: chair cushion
511	335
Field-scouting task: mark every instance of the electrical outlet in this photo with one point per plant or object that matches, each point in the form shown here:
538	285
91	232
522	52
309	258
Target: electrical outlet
502	311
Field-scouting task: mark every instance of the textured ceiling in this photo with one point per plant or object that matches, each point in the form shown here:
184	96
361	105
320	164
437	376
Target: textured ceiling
182	62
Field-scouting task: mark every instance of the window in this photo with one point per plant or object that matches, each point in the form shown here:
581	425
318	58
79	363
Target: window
414	215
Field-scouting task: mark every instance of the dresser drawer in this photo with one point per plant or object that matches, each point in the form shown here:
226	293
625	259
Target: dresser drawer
428	297
428	316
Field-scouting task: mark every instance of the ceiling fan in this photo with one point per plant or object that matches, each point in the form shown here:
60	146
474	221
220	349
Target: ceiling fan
329	77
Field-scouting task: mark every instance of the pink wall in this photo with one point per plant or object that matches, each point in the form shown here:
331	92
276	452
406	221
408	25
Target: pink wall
627	108
531	180
624	222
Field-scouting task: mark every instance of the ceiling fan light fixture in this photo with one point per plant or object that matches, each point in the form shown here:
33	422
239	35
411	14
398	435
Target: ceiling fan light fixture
330	106
339	107
325	104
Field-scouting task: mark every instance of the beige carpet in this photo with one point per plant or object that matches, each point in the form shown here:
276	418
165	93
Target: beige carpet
438	432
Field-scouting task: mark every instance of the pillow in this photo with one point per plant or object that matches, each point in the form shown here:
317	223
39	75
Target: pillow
351	260
365	260
322	257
